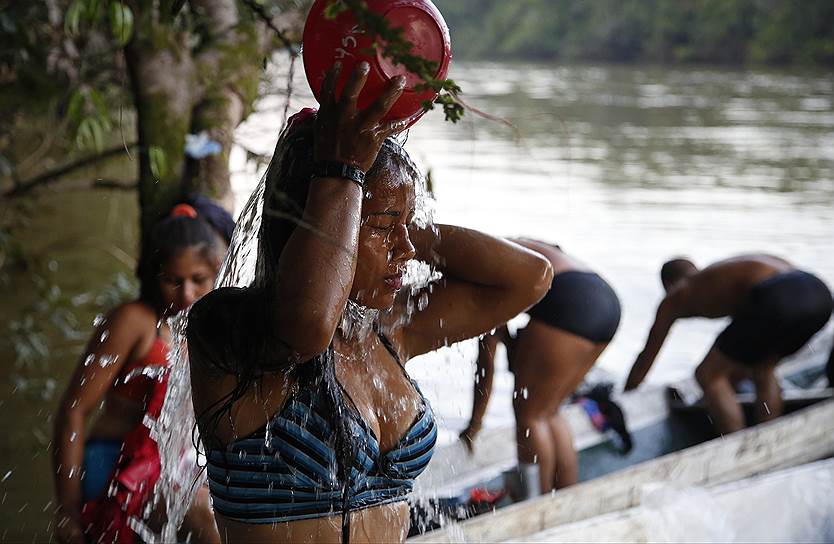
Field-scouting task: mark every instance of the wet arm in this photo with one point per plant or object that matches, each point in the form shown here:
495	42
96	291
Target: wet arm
484	373
92	379
317	265
316	268
664	319
486	282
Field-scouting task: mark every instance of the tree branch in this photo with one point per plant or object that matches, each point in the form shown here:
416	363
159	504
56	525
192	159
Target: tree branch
259	10
54	175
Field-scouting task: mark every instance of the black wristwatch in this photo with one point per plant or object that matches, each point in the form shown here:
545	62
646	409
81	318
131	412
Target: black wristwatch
333	169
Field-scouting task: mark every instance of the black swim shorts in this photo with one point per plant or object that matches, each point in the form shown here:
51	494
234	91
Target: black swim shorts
779	316
581	303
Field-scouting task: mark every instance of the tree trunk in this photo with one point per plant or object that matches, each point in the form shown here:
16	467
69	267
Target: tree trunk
179	90
161	73
228	73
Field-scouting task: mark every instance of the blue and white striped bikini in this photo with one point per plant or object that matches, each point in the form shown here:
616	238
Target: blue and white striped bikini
290	472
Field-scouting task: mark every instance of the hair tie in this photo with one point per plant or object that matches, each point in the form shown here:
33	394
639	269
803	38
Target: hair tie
183	210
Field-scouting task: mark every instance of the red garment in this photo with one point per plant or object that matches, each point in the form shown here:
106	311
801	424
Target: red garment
131	383
132	481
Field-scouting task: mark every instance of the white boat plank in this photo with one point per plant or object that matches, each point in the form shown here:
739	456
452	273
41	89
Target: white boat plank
720	513
798	438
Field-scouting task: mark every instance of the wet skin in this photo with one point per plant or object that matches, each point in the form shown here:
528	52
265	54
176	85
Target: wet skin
717	291
548	364
359	249
126	335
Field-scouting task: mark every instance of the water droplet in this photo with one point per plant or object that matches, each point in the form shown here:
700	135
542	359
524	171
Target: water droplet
104	336
98	320
524	392
88	360
72	439
106	360
527	433
6	476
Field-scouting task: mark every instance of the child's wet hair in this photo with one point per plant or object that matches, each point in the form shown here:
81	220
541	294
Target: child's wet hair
209	232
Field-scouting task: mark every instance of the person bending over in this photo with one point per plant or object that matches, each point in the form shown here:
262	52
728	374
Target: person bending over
775	309
568	330
106	475
313	430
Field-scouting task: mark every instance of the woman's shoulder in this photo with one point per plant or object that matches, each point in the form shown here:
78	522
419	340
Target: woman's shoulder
135	315
221	322
222	299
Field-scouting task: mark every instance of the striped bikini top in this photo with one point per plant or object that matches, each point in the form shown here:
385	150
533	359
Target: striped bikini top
287	470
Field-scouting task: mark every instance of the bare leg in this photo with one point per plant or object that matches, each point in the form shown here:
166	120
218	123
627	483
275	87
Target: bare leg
549	364
567	461
535	444
714	375
768	393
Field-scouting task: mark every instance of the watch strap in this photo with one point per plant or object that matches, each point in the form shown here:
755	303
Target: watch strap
334	169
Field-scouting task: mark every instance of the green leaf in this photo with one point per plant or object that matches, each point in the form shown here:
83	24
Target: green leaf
75	108
159	164
121	22
84	135
93	11
72	18
334	8
98	102
98	136
90	134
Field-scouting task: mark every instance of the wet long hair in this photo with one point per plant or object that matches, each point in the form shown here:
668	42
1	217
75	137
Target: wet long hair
210	232
287	183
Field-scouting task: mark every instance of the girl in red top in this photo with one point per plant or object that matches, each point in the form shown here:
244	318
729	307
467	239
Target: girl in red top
105	474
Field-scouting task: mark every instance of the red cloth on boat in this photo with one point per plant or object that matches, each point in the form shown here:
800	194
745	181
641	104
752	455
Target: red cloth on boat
131	483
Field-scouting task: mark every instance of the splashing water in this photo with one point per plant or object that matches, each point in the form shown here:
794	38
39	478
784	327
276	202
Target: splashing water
182	474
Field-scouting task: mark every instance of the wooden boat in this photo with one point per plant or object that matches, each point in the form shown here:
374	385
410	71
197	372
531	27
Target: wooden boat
799	508
673	439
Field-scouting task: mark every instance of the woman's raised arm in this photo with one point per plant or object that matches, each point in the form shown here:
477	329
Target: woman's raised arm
317	265
486	281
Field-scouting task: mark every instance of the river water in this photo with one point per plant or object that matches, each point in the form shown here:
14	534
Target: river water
625	168
622	166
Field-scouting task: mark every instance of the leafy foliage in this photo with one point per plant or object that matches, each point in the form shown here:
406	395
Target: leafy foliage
670	31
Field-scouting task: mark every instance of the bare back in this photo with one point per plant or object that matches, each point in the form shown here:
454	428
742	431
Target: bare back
719	289
559	260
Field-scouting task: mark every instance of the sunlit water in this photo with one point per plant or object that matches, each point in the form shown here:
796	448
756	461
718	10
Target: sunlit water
624	167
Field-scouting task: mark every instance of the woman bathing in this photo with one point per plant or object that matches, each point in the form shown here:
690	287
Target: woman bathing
568	330
314	432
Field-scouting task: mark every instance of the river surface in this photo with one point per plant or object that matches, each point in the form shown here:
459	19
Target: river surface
624	167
